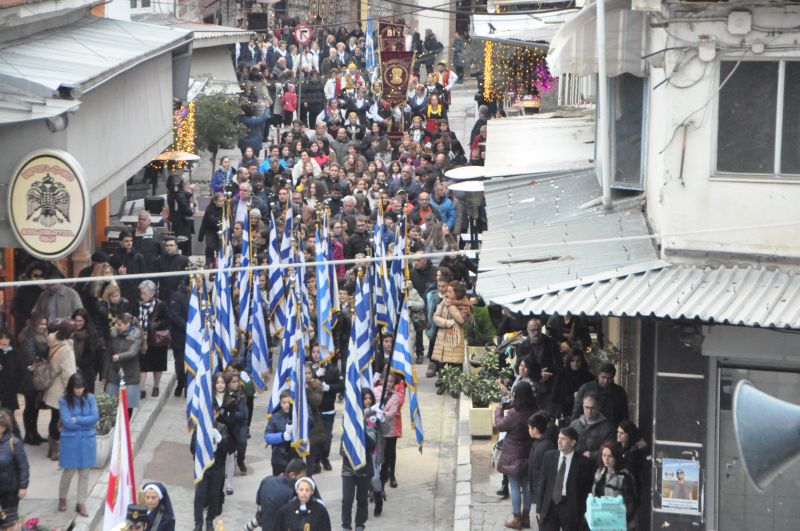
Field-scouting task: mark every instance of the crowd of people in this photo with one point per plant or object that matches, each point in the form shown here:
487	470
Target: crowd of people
337	145
565	431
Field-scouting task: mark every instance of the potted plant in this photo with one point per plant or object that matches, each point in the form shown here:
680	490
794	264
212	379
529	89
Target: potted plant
107	411
482	387
479	334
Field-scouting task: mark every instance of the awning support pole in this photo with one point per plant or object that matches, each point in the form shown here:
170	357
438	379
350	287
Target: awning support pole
602	106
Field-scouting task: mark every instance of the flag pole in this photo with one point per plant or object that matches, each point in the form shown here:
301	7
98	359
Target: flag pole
401	301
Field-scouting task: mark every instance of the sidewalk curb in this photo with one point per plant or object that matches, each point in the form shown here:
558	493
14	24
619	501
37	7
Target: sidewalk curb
462	519
141	425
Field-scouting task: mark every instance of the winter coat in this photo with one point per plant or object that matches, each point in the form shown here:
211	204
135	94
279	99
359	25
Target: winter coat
539	447
78	445
517	444
239	428
449	347
282	451
591	436
89	355
127	346
333	378
273	493
31	349
620	484
14	470
313	518
633	460
67	301
12	372
62	362
613	401
446	210
392	425
314	395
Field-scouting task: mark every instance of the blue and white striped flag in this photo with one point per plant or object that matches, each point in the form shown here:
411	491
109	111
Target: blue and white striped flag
224	326
402	364
259	358
324	303
353	436
203	407
277	288
369	47
302	296
283	369
363	328
300	410
195	329
245	277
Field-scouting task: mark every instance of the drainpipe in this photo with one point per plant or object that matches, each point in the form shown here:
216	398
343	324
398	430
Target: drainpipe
602	106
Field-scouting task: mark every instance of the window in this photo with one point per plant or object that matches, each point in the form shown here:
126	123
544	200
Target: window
626	108
758	130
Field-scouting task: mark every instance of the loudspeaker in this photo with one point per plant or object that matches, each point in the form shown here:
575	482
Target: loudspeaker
767	433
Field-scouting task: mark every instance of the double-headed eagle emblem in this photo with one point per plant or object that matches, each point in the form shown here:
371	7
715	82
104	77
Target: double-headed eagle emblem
48	202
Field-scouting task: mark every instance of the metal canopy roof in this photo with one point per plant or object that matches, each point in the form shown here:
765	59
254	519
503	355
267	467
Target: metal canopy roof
83	55
729	295
540	240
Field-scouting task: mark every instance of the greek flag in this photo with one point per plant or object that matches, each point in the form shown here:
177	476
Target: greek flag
300	412
260	354
363	328
195	329
324	308
245	277
277	290
283	369
205	446
402	364
224	327
353	437
305	309
369	47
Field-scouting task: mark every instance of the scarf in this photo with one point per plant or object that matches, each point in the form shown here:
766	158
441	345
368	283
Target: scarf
145	310
434	112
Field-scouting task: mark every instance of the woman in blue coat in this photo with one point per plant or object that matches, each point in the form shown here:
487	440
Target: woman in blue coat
78	445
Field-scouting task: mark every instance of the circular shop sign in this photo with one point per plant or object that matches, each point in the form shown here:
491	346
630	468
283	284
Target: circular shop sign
48	204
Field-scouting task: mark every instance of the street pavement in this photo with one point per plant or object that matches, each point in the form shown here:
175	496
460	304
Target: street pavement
423	499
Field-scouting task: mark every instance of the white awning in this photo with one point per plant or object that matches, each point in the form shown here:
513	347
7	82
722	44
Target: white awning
539	144
523	27
573	49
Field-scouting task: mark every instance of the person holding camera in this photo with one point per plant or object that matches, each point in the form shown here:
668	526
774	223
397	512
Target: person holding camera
512	418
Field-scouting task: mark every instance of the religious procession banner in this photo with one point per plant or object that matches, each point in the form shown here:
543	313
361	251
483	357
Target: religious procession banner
396	73
390	36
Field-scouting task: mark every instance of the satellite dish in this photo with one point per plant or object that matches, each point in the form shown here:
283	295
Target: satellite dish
466	173
467	186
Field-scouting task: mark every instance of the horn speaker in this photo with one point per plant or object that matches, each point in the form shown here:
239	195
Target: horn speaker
767	433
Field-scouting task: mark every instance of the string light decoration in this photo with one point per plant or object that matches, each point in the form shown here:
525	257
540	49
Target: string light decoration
184	129
516	69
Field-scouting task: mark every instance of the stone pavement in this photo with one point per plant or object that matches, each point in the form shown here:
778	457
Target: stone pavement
423	500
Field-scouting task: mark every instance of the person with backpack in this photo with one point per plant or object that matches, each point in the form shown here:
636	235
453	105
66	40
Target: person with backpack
54	376
33	349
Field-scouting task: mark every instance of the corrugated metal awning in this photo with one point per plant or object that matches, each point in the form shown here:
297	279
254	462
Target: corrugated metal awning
83	55
748	296
522	27
540	239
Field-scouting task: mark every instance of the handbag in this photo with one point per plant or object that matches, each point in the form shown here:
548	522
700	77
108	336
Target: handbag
162	338
43	375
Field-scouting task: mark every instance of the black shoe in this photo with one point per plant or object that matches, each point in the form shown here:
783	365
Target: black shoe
393	483
326	464
178	390
503	492
316	469
439	389
38	438
377	511
155	392
142	395
210	525
198	527
420	360
29	439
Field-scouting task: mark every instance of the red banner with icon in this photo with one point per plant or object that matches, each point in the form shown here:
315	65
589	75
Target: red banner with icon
396	73
391	36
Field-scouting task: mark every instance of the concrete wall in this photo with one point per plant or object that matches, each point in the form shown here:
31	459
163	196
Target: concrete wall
686	196
437	21
120	126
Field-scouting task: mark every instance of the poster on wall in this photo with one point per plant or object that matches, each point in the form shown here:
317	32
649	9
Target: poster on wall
680	486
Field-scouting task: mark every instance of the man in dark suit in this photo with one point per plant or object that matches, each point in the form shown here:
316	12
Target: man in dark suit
565	482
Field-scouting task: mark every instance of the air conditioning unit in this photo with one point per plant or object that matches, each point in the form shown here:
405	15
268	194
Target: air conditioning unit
646	5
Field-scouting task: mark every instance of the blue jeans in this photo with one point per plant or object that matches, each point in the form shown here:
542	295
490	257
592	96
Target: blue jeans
519	485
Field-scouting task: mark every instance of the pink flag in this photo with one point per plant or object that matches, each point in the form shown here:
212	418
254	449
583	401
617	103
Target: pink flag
121	481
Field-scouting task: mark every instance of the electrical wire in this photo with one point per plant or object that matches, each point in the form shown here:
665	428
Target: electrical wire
503	250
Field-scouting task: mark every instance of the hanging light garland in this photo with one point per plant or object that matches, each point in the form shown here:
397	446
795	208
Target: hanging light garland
509	68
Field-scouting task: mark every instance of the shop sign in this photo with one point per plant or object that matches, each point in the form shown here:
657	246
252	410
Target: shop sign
48	204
